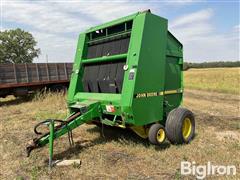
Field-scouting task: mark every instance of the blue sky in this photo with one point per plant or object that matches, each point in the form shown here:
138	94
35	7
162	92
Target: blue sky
209	30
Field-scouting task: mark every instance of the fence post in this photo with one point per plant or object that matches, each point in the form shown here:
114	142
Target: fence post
15	73
37	72
26	71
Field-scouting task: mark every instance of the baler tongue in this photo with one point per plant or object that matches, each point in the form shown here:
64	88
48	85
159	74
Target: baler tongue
85	111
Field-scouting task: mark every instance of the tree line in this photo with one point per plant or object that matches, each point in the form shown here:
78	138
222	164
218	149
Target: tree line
188	65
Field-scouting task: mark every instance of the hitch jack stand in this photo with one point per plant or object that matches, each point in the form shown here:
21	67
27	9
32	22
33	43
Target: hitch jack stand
51	138
73	121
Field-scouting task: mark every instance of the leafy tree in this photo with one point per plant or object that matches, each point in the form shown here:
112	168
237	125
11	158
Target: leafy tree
17	46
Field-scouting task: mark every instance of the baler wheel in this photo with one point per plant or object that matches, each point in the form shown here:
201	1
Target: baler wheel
180	126
156	134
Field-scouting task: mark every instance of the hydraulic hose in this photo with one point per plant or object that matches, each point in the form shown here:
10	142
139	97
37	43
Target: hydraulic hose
35	143
45	122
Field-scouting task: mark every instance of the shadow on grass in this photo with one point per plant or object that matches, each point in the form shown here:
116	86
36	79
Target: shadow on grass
108	134
16	101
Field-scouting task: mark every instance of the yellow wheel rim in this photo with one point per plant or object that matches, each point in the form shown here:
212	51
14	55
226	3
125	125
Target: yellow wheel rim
187	128
161	135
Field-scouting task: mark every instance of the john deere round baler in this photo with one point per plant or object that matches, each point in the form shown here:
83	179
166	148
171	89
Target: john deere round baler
127	73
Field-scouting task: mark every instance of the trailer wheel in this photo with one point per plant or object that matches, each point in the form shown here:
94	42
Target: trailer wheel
180	126
58	88
156	134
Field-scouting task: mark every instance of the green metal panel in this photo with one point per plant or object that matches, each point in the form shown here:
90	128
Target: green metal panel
150	71
172	82
174	76
104	58
103	97
154	55
114	22
132	61
75	82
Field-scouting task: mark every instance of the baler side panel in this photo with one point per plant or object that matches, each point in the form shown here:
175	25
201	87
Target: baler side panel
76	84
132	60
173	74
172	82
150	74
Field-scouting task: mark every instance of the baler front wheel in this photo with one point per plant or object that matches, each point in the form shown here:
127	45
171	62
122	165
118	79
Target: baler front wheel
180	126
156	134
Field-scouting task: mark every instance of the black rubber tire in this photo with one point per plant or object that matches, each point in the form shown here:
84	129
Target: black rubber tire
174	125
152	134
58	88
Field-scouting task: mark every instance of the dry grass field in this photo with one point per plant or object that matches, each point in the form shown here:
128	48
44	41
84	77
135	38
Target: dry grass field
225	80
120	154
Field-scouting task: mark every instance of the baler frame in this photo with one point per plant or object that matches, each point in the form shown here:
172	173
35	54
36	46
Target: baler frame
137	84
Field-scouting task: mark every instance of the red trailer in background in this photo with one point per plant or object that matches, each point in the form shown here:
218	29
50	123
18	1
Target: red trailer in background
22	79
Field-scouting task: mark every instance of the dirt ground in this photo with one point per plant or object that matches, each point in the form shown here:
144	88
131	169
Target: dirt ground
115	153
